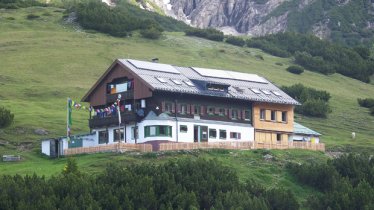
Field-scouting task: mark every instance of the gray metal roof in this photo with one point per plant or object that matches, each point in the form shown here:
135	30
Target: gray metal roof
150	74
300	129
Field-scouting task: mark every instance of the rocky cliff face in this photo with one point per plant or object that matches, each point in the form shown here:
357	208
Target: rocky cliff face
232	16
336	19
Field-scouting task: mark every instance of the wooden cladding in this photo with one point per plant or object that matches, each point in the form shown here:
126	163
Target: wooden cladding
269	117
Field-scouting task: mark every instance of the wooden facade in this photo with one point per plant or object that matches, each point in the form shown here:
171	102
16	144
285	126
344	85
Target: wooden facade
97	96
276	130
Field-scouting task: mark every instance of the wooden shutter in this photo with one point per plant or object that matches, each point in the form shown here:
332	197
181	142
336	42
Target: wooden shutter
239	136
173	108
179	108
243	114
146	131
231	135
226	111
188	107
202	110
216	110
239	114
230	113
163	106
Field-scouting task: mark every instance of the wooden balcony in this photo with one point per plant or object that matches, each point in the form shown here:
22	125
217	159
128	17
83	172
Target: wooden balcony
111	98
98	122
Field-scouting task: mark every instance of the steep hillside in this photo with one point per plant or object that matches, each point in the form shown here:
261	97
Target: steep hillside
46	60
344	21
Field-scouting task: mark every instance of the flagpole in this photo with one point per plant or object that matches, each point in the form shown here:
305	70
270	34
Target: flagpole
119	122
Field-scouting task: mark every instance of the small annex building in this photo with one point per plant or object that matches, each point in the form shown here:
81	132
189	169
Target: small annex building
162	102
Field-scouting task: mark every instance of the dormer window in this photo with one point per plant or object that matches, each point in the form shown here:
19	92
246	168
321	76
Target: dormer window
216	87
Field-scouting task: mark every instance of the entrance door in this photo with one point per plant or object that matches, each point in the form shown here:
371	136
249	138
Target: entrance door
196	133
200	133
204	133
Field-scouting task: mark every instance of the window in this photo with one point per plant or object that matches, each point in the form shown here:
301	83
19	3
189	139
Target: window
276	93
255	90
235	135
222	134
266	92
212	133
222	112
183	128
262	114
103	137
284	116
234	114
210	110
117	134
177	82
183	109
279	137
134	133
273	115
196	110
247	115
189	83
168	107
157	130
161	79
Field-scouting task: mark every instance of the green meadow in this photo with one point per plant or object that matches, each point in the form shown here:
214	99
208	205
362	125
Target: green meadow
45	60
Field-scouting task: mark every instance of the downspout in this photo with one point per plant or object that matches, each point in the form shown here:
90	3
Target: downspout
176	120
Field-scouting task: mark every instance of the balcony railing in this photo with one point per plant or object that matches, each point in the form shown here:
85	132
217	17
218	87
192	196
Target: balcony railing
111	98
97	122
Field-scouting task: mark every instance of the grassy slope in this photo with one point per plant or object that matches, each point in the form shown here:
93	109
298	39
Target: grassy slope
44	61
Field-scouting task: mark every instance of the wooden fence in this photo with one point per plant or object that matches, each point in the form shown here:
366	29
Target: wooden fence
292	145
246	145
206	145
241	145
109	148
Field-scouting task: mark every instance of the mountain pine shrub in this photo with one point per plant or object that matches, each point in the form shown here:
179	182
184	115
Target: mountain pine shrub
6	117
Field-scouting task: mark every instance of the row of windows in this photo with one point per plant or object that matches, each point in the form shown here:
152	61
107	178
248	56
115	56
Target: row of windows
213	133
162	131
210	110
117	134
273	115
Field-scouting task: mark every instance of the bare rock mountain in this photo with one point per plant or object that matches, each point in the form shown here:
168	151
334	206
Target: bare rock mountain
231	16
337	20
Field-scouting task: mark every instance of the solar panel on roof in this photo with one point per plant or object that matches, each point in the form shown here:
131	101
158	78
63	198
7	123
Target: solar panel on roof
266	92
255	90
229	75
154	66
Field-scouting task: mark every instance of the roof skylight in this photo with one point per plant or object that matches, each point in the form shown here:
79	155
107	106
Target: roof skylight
255	90
177	82
276	93
266	92
161	79
189	83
